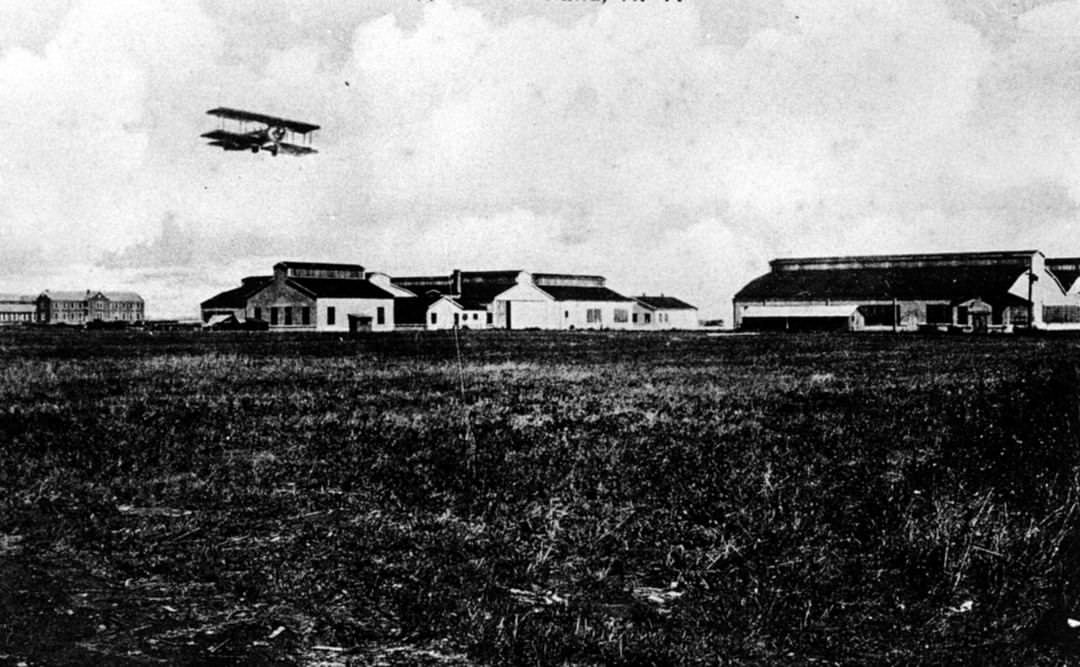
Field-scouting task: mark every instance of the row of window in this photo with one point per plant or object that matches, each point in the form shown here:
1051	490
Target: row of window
463	318
289	315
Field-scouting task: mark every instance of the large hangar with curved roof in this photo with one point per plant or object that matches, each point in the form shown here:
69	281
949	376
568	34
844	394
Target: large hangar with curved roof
977	291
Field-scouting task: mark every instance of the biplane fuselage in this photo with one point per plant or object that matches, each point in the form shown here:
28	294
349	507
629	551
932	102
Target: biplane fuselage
270	137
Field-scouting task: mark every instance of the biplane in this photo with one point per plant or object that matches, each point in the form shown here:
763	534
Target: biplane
270	137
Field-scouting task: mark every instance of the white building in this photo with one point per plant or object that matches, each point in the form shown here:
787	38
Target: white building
584	302
664	312
310	296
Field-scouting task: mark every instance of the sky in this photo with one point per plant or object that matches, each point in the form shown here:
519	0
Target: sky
674	147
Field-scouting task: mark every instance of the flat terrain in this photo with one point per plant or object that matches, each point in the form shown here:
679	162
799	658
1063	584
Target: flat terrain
539	499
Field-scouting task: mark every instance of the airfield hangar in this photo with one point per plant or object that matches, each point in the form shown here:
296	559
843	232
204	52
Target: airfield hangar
339	297
978	291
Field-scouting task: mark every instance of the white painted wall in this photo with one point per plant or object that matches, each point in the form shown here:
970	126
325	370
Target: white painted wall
529	307
444	311
676	319
363	307
575	314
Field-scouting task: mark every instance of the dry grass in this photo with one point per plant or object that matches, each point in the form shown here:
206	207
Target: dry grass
563	499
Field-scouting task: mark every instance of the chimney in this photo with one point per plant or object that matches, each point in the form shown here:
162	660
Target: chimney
455	282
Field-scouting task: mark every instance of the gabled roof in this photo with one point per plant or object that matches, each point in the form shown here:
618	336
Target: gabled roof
946	283
72	295
238	296
122	296
663	303
413	310
575	293
339	288
62	295
478	288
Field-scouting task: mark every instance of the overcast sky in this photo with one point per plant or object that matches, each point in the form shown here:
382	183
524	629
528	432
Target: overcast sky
674	147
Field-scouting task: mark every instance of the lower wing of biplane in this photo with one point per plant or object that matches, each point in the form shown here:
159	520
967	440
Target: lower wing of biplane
270	137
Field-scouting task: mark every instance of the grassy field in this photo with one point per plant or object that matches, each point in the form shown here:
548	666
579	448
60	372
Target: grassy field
536	499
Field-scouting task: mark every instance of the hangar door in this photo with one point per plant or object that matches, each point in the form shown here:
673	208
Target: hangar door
527	315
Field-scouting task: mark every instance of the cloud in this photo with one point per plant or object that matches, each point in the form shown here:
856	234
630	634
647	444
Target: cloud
671	146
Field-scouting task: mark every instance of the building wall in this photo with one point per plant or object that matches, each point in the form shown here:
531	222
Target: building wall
16	313
277	301
360	307
525	314
682	318
443	311
526	306
912	314
595	314
477	319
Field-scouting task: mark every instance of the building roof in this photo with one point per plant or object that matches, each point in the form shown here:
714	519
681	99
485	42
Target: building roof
663	303
478	288
947	283
319	266
17	307
567	279
72	295
953	259
339	288
17	298
413	310
65	295
575	293
238	296
122	296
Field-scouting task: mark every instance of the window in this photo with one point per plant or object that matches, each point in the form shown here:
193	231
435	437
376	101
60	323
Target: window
621	315
490	318
633	318
880	315
648	317
592	315
305	315
476	316
273	315
566	314
434	318
961	315
457	318
256	313
937	313
288	315
380	315
330	314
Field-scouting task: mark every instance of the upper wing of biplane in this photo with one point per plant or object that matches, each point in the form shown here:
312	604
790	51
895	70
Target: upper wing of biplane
272	121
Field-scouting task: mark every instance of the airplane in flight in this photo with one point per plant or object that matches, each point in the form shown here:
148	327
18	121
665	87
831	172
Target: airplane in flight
270	137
